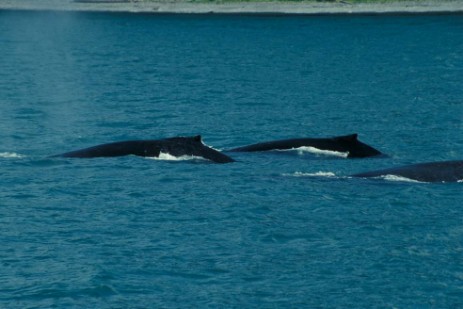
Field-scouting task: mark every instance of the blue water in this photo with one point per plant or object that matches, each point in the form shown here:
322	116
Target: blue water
264	232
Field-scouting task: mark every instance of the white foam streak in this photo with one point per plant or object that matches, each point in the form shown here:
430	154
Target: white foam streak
317	174
217	149
10	155
399	178
316	151
168	157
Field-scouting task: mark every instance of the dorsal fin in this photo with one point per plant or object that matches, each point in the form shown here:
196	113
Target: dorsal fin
350	137
197	138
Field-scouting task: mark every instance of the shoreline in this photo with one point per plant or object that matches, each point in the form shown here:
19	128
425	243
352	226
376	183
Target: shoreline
265	8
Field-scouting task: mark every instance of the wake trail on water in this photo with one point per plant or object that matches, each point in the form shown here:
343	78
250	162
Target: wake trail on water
331	175
11	155
316	174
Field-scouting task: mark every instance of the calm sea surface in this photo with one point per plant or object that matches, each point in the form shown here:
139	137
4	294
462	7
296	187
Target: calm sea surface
273	230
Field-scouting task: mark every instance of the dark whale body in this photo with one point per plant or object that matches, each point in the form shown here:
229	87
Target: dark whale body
347	144
444	171
176	146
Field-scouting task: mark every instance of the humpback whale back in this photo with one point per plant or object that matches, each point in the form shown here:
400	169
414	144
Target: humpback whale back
444	171
175	146
346	144
356	148
115	149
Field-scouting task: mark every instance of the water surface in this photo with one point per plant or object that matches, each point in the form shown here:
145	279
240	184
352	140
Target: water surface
271	230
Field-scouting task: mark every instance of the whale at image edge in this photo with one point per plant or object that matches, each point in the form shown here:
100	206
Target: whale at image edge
443	171
175	146
345	144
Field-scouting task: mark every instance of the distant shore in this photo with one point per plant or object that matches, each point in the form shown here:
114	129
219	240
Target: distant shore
238	7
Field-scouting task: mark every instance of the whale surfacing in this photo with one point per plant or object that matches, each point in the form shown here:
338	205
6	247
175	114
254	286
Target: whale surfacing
443	171
176	146
344	144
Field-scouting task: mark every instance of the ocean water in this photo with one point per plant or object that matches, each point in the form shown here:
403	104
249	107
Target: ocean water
272	230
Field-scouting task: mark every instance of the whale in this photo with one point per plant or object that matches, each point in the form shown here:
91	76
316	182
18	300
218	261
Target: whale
443	171
175	146
345	144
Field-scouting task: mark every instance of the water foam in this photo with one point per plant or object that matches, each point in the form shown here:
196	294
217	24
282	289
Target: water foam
317	174
316	151
399	179
164	156
10	155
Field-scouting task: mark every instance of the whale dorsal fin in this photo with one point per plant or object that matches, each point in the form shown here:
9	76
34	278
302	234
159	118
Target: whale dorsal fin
350	137
197	138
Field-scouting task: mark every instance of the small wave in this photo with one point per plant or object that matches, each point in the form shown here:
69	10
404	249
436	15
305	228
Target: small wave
316	151
317	174
10	155
168	157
